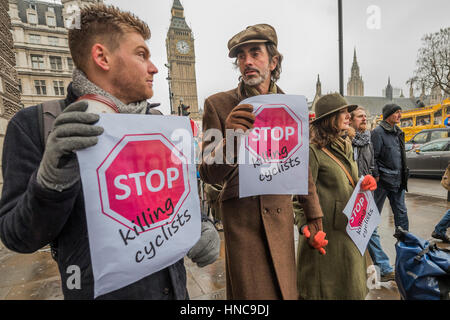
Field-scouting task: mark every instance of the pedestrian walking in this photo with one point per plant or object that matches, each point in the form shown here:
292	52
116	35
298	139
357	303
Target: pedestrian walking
440	230
391	171
42	200
258	230
341	272
364	157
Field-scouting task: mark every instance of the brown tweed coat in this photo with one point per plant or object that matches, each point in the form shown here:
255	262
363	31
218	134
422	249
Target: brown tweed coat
259	239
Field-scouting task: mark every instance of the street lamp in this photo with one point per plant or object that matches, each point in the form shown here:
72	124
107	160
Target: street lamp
169	80
180	106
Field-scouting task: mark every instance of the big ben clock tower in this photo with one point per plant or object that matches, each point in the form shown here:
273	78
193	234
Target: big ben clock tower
181	63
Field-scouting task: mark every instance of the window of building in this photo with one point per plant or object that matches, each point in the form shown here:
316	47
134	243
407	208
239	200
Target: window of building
53	41
51	21
70	63
35	38
37	61
41	88
423	120
59	88
406	122
55	63
32	18
20	85
438	117
32	6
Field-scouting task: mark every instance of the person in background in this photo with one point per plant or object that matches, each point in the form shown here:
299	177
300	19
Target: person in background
390	170
440	230
364	157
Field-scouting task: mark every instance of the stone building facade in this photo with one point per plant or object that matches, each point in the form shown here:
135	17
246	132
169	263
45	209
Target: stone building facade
44	63
9	92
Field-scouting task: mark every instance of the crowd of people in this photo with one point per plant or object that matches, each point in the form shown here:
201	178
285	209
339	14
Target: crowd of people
42	201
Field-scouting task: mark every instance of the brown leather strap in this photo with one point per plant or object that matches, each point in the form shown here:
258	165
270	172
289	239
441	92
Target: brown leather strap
340	164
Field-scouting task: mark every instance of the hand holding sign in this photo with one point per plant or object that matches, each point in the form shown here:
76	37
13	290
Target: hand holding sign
368	183
362	213
241	118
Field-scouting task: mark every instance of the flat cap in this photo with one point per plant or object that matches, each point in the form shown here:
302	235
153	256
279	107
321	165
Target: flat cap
257	33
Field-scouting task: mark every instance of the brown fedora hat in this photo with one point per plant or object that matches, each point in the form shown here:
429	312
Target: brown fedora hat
330	103
257	33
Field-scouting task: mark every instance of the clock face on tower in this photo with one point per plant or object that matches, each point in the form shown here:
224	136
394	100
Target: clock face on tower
183	47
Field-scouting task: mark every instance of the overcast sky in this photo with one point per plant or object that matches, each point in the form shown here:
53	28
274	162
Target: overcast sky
308	39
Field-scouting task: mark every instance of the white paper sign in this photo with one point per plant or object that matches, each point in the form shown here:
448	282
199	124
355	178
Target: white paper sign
141	199
363	217
273	158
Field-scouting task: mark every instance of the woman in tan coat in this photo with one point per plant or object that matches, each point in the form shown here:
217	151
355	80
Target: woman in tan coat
341	273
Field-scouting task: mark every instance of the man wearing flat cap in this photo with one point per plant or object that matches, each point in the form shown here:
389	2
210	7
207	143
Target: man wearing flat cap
391	172
259	239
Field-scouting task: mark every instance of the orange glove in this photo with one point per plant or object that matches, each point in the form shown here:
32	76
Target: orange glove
317	240
241	117
368	183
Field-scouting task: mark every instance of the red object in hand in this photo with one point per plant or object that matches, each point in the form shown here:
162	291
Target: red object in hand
319	239
368	183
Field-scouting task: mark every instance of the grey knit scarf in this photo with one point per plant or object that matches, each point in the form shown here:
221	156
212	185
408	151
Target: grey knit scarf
81	86
361	139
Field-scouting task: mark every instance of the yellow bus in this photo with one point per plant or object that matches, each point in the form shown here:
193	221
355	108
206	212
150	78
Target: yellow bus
415	120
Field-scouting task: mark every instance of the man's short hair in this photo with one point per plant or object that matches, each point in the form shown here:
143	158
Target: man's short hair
103	24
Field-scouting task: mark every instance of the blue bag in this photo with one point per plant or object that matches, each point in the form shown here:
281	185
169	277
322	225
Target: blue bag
422	270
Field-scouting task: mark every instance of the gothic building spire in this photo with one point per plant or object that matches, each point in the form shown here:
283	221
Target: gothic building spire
389	89
355	85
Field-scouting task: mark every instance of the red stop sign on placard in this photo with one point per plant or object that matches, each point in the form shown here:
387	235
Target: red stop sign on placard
143	181
359	211
276	134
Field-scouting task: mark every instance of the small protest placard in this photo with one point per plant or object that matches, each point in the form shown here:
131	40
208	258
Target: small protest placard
273	158
141	199
363	217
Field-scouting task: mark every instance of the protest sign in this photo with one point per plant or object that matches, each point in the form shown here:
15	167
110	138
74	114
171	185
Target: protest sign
273	158
363	217
141	199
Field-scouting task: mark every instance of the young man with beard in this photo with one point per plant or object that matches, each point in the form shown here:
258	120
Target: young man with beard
259	239
364	157
42	200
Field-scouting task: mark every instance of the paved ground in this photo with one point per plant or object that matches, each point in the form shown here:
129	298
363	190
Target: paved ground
35	276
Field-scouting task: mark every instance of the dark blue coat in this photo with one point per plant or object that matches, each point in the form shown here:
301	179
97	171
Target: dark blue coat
32	216
390	157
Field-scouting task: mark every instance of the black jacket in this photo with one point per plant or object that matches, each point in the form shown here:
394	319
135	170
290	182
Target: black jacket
32	216
390	157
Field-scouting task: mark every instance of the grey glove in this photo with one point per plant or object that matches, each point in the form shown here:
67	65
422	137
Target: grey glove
73	130
207	249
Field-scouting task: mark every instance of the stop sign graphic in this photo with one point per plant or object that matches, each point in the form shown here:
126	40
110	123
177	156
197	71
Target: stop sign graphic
359	211
143	182
276	135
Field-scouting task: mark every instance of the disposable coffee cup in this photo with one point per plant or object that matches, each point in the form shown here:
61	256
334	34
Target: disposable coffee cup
99	104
